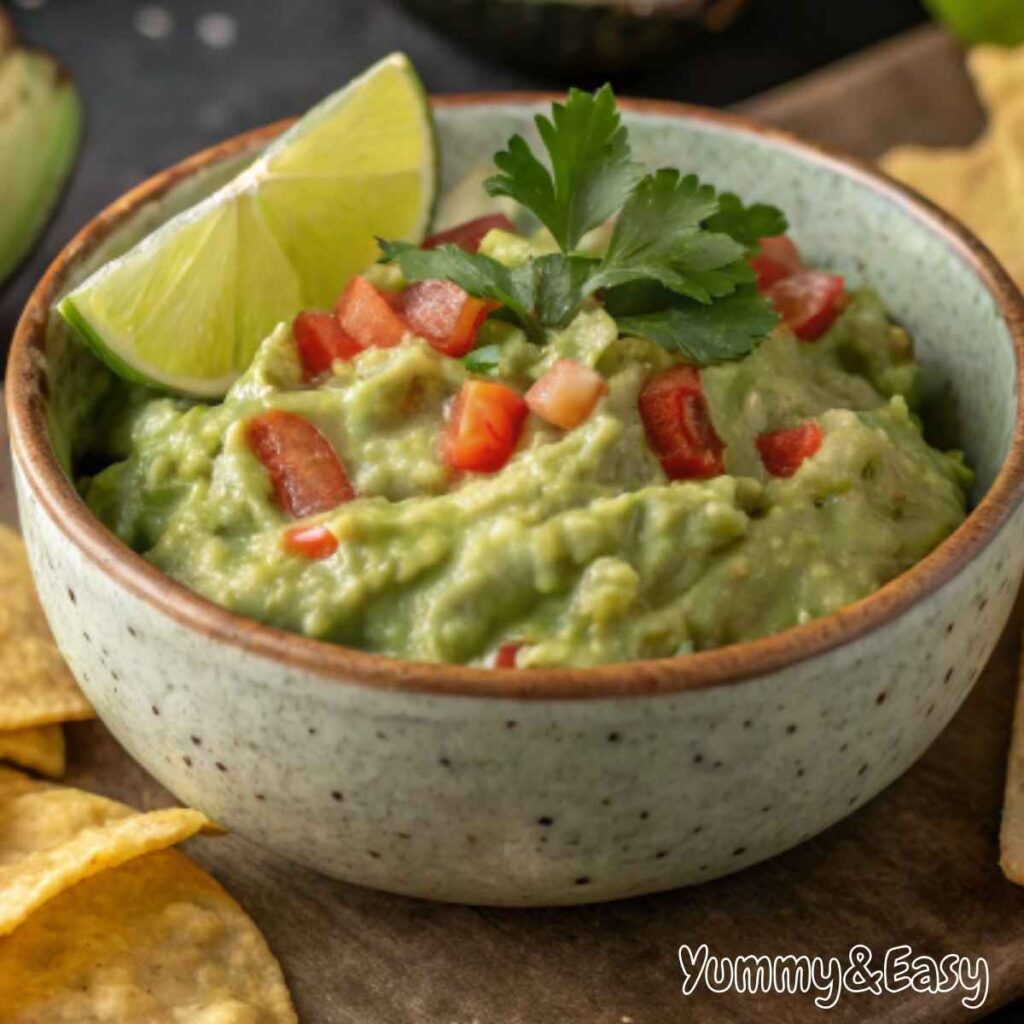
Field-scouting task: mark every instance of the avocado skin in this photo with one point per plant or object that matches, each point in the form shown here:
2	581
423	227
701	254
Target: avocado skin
40	132
7	34
578	36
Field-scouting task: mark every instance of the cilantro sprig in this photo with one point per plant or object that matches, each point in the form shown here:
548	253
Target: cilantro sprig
676	269
592	169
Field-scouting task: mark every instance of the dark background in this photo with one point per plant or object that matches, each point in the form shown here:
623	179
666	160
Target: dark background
150	102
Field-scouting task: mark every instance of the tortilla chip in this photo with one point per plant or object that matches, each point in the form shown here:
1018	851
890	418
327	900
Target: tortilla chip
1011	833
36	687
997	73
984	185
52	837
975	185
154	940
940	174
40	749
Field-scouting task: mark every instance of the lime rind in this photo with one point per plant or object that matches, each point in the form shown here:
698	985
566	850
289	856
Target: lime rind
186	308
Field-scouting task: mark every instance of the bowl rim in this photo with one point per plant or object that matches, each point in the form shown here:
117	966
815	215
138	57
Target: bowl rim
26	402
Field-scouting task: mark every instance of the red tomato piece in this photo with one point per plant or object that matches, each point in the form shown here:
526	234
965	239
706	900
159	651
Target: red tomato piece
367	316
678	425
505	655
445	314
778	258
783	451
312	542
469	235
483	427
566	394
320	340
808	301
305	472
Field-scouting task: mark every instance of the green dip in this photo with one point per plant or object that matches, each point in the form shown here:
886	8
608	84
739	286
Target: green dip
580	545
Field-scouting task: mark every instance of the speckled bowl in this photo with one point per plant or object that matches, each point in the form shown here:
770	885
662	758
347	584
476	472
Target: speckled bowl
550	787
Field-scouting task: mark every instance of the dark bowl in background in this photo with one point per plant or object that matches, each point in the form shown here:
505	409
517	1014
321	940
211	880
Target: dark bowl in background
579	36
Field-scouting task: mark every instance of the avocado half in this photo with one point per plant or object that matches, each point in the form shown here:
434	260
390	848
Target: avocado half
579	36
40	132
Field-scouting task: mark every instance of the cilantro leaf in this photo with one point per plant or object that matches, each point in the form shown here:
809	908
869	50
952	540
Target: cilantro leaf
663	212
676	268
659	237
546	291
721	281
480	275
560	284
483	360
726	329
747	224
592	170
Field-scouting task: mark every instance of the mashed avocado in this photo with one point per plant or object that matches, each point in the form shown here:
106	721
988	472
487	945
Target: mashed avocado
580	546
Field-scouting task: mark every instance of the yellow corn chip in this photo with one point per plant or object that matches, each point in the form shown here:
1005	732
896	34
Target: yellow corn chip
983	185
52	837
997	73
1011	832
976	186
36	687
152	941
40	748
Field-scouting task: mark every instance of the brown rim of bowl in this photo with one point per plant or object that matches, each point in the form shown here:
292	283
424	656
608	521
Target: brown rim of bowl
733	664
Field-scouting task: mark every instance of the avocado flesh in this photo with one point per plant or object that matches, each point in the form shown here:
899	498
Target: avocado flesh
40	129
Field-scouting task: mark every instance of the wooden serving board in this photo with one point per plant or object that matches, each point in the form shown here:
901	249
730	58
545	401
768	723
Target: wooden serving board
916	866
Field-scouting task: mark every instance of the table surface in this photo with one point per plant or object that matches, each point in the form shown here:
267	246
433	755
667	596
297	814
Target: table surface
917	865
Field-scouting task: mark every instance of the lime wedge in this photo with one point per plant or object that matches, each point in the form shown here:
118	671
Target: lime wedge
982	21
186	308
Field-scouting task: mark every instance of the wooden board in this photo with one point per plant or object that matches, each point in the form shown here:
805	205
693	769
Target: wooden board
916	866
910	89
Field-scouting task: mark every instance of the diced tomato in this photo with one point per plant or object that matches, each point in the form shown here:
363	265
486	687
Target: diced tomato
313	542
320	340
305	472
483	427
808	301
445	314
505	655
778	258
566	394
367	316
469	235
783	451
678	425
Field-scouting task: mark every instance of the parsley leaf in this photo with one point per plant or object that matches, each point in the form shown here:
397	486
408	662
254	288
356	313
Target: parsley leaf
725	329
592	170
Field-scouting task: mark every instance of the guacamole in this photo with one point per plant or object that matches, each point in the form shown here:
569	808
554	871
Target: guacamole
640	427
585	544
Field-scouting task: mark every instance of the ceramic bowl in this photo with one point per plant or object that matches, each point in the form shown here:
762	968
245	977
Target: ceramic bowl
561	786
